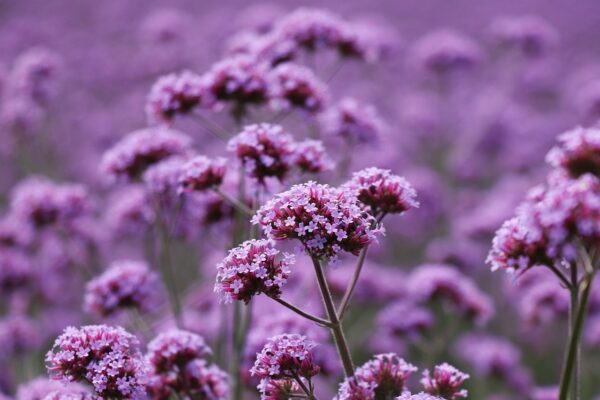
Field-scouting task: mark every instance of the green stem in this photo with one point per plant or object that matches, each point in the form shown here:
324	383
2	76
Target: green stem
336	327
166	266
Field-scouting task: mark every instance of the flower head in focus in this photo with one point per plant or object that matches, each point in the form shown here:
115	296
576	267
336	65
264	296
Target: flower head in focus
445	382
578	152
297	87
202	173
286	356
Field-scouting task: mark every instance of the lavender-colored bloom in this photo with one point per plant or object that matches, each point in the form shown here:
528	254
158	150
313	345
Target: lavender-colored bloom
578	152
353	121
21	115
297	87
384	377
131	156
176	94
250	269
325	220
125	284
165	26
173	350
383	192
129	212
543	301
15	233
16	272
529	35
70	395
205	381
35	73
445	382
310	157
202	173
545	393
162	179
271	389
446	51
265	150
106	357
40	388
286	356
18	335
414	322
432	281
418	396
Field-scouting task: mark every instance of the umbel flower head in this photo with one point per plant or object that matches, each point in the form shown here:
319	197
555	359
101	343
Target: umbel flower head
174	95
286	356
446	382
265	150
310	157
353	121
418	396
384	377
202	173
529	35
271	389
108	358
446	51
125	284
174	349
250	269
382	191
131	156
324	219
297	87
578	152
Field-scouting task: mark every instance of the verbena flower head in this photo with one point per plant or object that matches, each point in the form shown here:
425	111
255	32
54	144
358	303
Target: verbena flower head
295	86
382	191
384	377
140	149
271	389
286	356
108	358
173	350
35	74
265	150
446	51
19	335
129	212
324	219
418	396
445	382
414	322
529	35
578	152
125	284
81	394
162	179
488	355
353	121
310	157
202	173
206	382
250	269
39	388
16	272
175	95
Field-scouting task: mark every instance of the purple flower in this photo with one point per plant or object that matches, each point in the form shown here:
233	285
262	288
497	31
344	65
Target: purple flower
578	152
125	284
418	396
35	74
81	394
414	322
325	220
446	382
173	350
353	121
106	357
162	179
297	87
202	173
140	149
19	335
39	388
382	191
529	35
286	356
281	389
16	272
250	269
129	212
384	377
175	95
265	151
310	157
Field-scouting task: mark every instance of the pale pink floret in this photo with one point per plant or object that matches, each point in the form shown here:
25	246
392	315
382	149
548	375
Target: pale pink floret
202	173
445	382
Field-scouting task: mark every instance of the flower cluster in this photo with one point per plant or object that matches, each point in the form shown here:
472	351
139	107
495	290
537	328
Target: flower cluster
131	156
324	219
202	173
295	86
383	192
175	94
578	152
353	121
446	382
265	151
178	367
125	284
310	157
106	357
530	35
286	356
383	377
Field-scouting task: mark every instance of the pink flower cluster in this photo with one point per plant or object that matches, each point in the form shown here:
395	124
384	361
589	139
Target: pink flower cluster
108	358
578	152
445	382
202	173
324	219
250	269
296	86
353	121
175	94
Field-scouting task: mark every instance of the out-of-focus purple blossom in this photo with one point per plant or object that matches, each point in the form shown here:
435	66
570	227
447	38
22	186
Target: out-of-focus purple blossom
578	152
543	301
353	121
171	351
175	95
165	25
383	377
418	396
432	281
129	212
39	388
106	357
529	35
297	87
324	219
383	192
70	395
265	150
162	179
21	116
445	382
446	51
125	284
250	269
18	335
16	272
35	74
545	393
286	356
14	233
132	155
311	157
202	173
414	322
